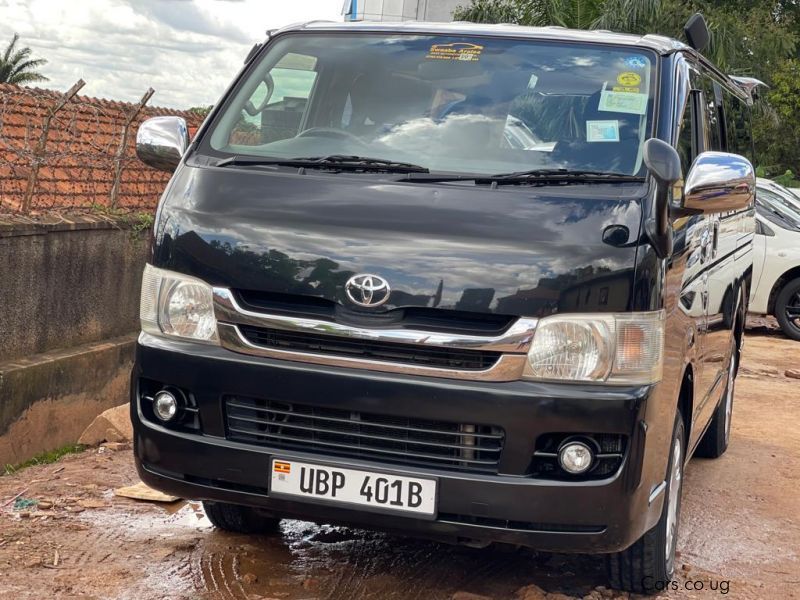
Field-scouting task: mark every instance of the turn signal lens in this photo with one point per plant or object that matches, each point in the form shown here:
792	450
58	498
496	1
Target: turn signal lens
640	348
624	348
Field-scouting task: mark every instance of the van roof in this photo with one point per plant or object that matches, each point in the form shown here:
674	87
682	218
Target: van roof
658	43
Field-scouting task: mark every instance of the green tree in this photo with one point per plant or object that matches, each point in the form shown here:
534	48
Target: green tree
201	111
747	36
577	14
776	126
17	66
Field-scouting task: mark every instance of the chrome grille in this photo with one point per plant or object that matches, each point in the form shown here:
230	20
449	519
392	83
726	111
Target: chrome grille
429	356
433	347
390	439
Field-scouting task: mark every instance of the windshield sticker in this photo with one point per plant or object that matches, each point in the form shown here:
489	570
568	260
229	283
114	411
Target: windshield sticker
636	62
455	51
623	102
602	131
629	79
626	90
532	82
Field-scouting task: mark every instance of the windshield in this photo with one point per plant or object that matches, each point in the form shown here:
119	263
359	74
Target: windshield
451	104
783	204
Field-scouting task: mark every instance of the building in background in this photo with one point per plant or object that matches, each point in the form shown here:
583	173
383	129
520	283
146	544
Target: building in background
400	10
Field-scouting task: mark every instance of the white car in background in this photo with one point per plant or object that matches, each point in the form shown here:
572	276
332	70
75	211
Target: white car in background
776	260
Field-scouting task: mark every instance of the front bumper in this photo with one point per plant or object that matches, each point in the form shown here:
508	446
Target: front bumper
590	516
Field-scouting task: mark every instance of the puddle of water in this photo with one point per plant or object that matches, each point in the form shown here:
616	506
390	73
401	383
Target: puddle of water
183	554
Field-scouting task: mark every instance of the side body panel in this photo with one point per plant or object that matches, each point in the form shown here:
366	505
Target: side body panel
726	256
707	278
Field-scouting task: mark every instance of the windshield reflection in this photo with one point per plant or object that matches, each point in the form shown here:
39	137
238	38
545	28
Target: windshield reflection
449	104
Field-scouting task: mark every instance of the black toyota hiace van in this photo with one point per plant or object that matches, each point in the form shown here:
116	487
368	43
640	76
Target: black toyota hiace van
467	282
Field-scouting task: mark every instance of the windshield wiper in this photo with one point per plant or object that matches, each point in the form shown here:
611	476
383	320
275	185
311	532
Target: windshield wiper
333	161
558	176
534	176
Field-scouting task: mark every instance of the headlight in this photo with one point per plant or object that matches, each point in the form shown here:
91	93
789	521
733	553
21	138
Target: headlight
624	348
177	305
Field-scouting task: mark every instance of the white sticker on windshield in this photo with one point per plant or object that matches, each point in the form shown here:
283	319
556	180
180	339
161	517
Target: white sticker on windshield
602	131
532	82
623	102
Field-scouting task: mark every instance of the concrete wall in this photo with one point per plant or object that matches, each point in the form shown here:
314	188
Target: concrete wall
68	319
439	10
67	284
403	10
47	400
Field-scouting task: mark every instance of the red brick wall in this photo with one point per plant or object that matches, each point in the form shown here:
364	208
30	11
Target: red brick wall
77	166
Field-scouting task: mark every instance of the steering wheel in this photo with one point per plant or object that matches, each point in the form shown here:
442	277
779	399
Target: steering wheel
331	132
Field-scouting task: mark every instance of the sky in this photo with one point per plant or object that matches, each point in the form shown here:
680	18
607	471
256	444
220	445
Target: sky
187	50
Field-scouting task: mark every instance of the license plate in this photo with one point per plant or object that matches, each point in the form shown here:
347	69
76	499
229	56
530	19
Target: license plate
379	492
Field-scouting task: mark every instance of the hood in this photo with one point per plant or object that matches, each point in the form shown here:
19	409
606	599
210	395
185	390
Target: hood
511	251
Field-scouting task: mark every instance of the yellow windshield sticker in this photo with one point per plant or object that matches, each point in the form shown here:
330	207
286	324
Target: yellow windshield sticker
456	51
629	79
623	102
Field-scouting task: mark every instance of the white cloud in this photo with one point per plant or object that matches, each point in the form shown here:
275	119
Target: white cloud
187	50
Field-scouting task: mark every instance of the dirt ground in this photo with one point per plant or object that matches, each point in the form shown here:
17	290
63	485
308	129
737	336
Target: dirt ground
740	531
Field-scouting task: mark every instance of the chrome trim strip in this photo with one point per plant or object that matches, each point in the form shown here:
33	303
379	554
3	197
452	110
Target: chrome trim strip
507	368
516	340
657	491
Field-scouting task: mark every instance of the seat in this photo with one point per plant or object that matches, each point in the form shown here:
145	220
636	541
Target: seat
382	102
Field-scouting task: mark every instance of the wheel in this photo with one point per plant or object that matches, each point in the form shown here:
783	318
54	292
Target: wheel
647	566
239	519
787	309
715	439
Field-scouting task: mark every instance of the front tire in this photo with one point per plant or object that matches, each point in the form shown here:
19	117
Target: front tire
239	519
647	566
787	309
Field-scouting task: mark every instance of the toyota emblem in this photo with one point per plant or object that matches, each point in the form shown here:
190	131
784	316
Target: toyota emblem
367	290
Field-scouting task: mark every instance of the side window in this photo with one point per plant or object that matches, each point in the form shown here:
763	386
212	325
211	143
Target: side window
277	107
712	115
737	115
702	126
687	148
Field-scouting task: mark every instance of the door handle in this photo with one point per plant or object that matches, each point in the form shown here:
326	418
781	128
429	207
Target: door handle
704	292
715	240
705	245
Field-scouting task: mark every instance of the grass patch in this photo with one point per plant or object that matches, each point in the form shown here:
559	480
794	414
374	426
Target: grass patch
137	221
45	458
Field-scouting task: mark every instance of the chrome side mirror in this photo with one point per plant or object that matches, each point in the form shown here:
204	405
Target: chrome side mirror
162	141
719	182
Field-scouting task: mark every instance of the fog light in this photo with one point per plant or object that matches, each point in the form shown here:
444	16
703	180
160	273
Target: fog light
575	457
165	405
